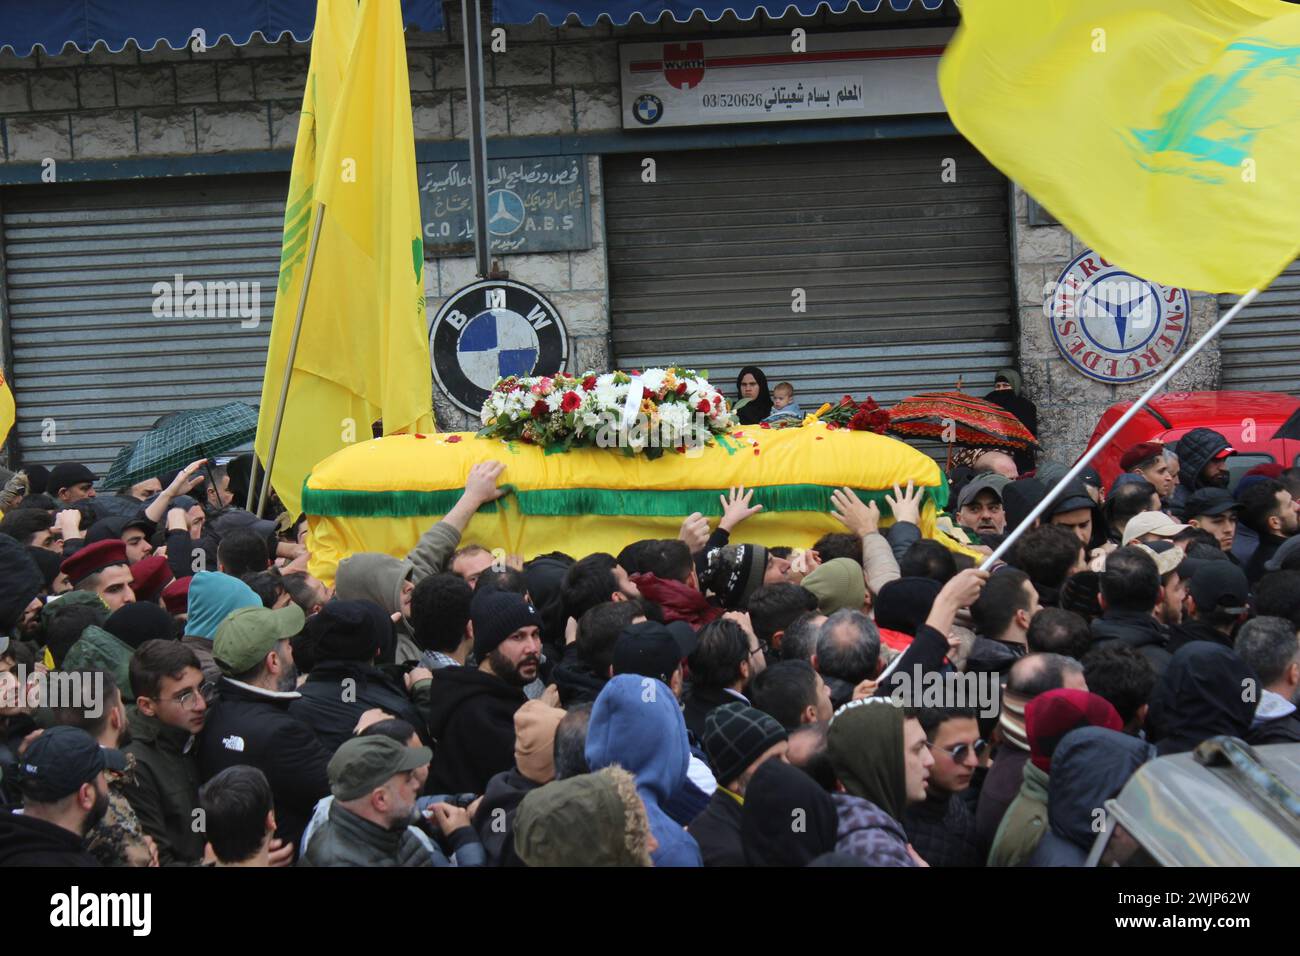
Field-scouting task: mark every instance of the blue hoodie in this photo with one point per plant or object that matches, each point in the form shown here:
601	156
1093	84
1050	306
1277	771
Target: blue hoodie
214	595
637	724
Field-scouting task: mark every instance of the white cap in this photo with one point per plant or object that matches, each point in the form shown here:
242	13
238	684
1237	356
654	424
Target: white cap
1152	522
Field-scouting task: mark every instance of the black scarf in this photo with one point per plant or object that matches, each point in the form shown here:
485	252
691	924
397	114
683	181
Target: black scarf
759	408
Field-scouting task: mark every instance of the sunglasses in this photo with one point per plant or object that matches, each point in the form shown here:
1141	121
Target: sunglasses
958	753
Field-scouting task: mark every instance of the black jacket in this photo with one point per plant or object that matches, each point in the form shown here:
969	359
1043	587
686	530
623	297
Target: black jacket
1199	697
1280	730
472	718
575	682
942	830
700	701
717	831
164	789
1000	787
1195	450
249	725
1138	630
332	709
1193	630
495	820
988	655
1268	545
26	841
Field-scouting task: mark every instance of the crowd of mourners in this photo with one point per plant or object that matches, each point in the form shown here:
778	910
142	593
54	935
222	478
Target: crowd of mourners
177	689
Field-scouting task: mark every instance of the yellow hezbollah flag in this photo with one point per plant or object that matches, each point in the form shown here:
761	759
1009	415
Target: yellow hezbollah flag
362	354
7	410
1164	133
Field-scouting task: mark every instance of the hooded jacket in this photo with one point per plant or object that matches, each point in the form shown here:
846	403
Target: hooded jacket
1090	766
865	745
164	790
603	806
99	650
636	724
252	725
679	601
371	576
332	709
1197	449
472	719
1200	696
27	841
778	794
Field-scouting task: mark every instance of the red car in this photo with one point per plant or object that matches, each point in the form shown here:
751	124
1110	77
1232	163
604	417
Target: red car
1248	420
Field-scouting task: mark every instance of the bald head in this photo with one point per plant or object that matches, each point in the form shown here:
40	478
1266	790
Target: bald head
1036	674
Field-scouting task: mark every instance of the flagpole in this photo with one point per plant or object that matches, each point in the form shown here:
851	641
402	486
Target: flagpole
288	364
1114	430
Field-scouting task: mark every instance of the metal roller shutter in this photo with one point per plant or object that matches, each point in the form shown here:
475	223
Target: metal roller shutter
88	352
908	278
1260	348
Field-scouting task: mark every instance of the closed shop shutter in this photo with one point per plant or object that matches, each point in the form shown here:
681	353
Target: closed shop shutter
1260	348
907	278
89	354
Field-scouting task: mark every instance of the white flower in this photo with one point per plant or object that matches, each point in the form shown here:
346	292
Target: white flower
653	379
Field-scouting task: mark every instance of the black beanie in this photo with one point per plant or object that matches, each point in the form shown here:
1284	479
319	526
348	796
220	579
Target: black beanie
20	581
48	562
134	624
735	572
496	615
735	735
904	603
350	631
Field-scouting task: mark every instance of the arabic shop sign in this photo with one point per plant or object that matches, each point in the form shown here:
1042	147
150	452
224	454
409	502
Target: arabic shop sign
534	205
781	78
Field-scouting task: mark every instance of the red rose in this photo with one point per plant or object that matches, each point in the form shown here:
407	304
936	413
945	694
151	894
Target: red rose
717	400
646	393
764	425
589	383
681	388
831	426
540	409
571	402
704	407
846	400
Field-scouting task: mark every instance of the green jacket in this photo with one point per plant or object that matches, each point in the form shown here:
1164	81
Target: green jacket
1024	823
99	650
164	791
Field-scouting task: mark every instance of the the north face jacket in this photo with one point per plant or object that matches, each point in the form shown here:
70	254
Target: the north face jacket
253	726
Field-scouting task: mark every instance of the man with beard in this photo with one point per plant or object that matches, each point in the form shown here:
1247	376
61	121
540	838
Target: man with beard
251	724
1203	463
1268	509
65	793
472	710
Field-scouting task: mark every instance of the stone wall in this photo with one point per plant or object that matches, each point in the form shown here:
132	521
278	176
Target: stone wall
1070	403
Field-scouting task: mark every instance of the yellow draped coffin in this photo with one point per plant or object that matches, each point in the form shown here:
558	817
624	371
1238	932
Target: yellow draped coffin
381	495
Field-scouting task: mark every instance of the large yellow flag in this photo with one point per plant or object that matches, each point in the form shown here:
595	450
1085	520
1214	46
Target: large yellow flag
1164	133
363	352
8	412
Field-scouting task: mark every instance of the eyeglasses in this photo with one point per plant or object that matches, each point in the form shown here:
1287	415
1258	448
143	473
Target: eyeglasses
190	699
958	753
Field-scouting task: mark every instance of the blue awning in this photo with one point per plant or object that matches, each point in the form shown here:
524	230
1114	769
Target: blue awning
621	11
50	25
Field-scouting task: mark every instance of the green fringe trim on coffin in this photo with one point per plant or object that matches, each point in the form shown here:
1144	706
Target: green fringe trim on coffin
584	501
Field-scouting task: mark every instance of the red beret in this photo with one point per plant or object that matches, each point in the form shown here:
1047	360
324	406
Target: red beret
94	558
1269	469
149	577
176	596
1140	453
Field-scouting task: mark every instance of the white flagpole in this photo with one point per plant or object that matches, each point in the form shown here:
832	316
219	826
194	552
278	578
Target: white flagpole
1124	419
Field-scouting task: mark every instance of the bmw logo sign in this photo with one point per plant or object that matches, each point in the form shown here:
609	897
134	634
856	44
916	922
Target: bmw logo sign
492	329
648	109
